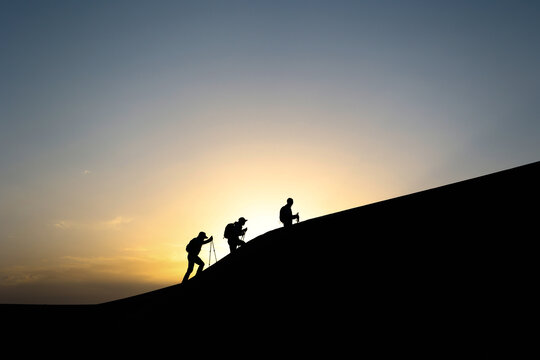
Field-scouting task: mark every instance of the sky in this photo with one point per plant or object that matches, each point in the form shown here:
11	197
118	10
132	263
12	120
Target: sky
126	127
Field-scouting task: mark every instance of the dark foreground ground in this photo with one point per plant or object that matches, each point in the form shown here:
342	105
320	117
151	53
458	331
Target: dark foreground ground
445	271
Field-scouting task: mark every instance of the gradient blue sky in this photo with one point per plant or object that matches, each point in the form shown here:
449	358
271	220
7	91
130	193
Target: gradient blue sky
128	126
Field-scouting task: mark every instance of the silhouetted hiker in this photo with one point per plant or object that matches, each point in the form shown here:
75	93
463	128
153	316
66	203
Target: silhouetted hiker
233	232
285	214
193	249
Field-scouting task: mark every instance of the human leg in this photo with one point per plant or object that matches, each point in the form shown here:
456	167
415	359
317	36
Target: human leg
189	270
199	262
232	245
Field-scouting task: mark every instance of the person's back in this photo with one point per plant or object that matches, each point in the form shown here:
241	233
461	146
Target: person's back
285	214
194	246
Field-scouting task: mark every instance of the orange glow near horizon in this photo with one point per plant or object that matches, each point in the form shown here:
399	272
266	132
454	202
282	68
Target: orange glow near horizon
132	226
148	220
126	128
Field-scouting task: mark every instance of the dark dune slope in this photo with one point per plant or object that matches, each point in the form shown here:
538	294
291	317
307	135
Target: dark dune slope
430	267
425	262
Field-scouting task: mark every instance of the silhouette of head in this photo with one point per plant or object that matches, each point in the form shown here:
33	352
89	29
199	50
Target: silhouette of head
289	201
202	235
242	220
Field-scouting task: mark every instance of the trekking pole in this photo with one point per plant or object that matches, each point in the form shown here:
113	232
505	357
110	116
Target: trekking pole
210	253
212	246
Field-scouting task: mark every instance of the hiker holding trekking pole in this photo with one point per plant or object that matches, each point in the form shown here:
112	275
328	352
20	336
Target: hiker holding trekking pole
193	249
233	232
285	214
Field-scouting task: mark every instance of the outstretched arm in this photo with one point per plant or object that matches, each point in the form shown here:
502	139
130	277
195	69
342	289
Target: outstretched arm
209	240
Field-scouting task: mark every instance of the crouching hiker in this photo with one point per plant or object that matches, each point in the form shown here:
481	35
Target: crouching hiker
193	249
233	233
285	214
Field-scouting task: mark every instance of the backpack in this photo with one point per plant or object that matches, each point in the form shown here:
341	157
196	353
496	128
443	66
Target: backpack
282	215
189	246
229	231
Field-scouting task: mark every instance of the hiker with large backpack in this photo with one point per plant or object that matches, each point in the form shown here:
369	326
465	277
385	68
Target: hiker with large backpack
233	232
193	249
285	214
